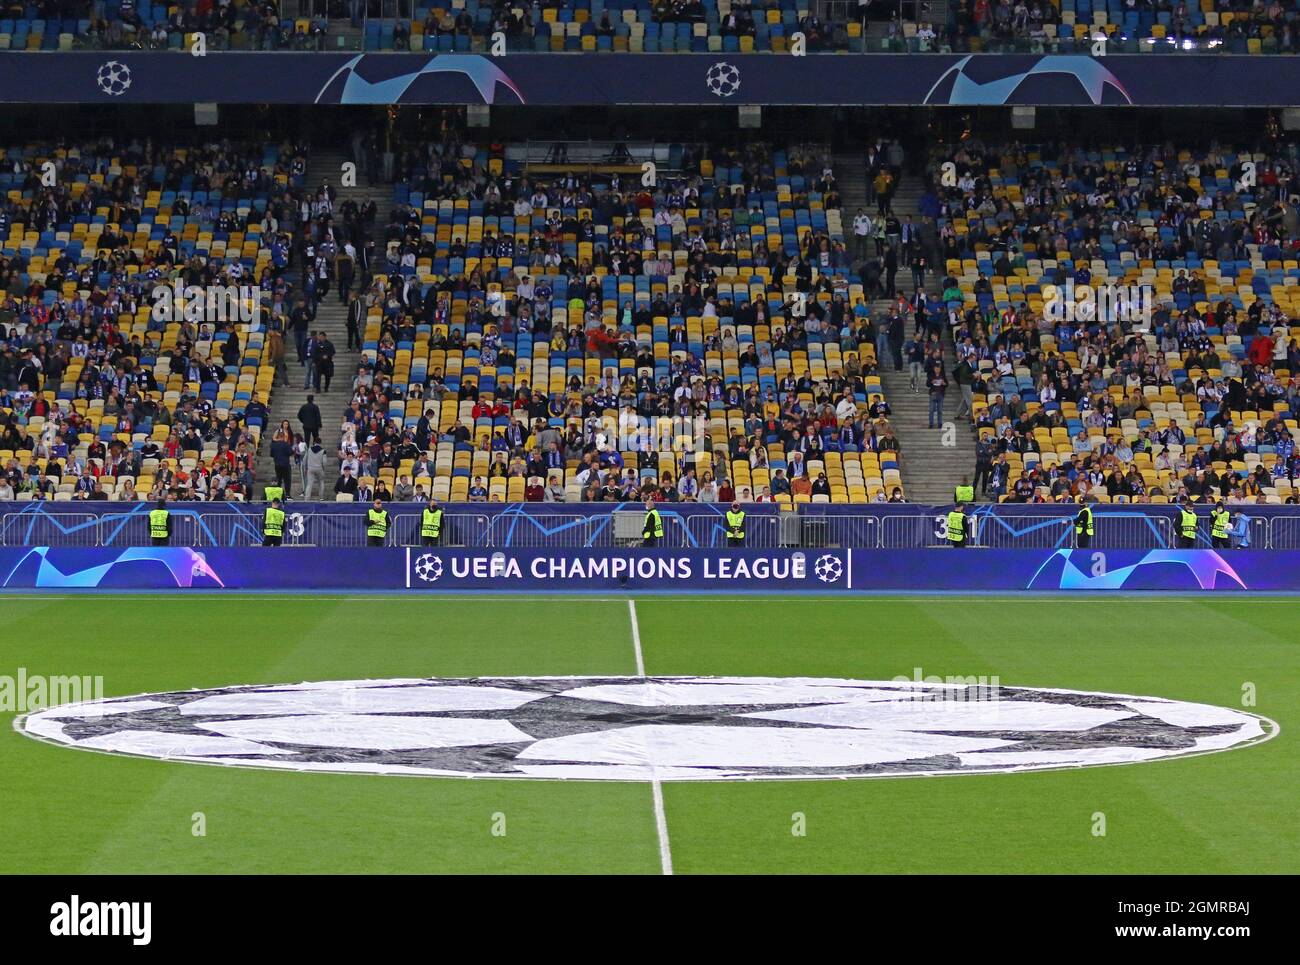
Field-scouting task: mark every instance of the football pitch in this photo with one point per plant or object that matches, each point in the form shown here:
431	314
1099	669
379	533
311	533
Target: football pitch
72	811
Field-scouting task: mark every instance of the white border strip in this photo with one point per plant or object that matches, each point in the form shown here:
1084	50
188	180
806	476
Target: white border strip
656	786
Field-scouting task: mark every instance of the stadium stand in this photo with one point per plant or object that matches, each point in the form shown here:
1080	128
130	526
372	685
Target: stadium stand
556	330
101	396
664	26
1198	397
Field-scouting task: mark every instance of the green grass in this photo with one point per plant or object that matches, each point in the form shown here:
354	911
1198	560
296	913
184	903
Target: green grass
1236	812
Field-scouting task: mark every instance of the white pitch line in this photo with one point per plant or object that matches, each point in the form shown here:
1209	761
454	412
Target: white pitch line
656	787
636	638
661	826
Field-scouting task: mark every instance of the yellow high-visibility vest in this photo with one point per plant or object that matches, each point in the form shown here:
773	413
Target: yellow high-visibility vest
956	526
274	522
735	524
1086	525
377	522
1187	523
158	523
430	522
654	523
1219	520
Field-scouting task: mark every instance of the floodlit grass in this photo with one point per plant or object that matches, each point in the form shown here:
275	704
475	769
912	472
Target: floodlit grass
72	811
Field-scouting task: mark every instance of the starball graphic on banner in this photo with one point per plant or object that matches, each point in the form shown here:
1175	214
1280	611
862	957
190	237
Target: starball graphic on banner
559	79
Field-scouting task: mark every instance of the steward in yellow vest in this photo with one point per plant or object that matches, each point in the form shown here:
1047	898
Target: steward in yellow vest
957	526
1220	524
735	526
376	524
653	529
1186	527
430	524
273	524
1083	527
160	524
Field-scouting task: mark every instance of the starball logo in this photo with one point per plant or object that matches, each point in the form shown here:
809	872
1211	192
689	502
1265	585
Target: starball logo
1105	304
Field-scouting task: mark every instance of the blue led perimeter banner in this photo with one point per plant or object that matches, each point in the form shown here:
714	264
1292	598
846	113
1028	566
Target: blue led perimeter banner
431	570
134	77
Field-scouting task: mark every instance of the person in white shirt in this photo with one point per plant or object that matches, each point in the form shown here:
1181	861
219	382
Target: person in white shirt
687	487
708	490
861	232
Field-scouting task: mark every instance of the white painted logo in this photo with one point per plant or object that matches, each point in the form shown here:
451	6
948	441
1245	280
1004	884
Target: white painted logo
643	728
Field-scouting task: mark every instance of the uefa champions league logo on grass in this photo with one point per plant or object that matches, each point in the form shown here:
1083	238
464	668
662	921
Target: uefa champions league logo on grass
113	78
647	728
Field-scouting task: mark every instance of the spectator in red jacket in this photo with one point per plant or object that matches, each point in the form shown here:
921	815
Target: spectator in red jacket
1260	352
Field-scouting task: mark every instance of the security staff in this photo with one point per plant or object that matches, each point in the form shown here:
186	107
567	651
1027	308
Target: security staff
1220	523
957	526
1083	526
376	524
1186	526
431	524
964	492
735	526
274	493
273	524
160	524
653	530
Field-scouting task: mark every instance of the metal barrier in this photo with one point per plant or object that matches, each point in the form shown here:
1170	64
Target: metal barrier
1023	532
243	527
458	529
815	531
1283	533
1110	530
618	528
49	529
761	532
903	532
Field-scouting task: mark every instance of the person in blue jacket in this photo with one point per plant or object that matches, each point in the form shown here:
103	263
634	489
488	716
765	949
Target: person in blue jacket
1240	532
